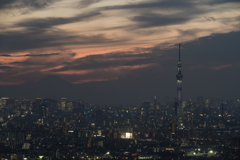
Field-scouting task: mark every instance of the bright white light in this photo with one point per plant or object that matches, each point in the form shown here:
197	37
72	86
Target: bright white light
128	135
211	151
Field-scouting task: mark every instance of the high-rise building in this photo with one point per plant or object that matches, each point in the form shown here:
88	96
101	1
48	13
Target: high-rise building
63	104
179	77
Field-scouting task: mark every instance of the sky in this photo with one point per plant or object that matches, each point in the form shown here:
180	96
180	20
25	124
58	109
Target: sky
88	41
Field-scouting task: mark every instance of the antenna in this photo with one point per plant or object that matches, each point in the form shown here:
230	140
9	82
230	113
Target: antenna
179	52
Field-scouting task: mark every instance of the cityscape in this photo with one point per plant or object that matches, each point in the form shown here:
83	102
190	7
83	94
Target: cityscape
119	80
52	129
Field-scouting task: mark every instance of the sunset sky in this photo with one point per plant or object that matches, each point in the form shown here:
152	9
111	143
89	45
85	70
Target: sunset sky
105	40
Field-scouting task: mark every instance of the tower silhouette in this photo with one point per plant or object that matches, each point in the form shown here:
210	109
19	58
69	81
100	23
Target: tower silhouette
179	77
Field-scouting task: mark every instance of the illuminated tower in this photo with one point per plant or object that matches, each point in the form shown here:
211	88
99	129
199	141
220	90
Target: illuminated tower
179	83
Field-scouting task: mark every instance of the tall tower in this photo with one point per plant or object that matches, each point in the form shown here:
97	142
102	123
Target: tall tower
179	77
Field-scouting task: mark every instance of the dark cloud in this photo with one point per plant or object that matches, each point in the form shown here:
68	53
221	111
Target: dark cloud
43	61
153	20
5	55
185	5
4	3
21	41
210	18
41	55
147	15
34	67
72	54
114	60
164	4
30	70
85	3
16	62
30	4
222	1
30	55
40	33
189	32
5	67
218	49
47	23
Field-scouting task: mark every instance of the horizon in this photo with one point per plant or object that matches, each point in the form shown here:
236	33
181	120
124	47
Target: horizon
53	78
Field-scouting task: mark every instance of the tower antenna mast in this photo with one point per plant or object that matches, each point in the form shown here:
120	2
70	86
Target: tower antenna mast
179	52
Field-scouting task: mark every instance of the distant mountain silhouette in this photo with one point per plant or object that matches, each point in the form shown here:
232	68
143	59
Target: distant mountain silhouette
52	80
122	91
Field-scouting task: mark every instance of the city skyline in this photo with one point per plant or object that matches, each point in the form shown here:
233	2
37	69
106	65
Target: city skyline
129	46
